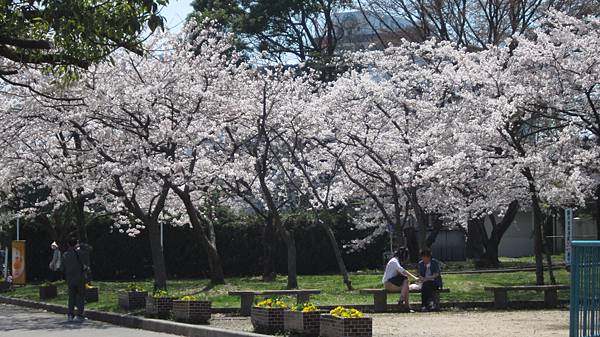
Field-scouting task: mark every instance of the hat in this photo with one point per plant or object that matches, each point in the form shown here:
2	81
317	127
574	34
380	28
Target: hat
54	244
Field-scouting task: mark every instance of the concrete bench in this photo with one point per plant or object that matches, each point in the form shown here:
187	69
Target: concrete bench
380	297
550	294
247	296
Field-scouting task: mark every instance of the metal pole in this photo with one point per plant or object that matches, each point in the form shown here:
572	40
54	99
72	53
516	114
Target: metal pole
18	229
568	234
5	262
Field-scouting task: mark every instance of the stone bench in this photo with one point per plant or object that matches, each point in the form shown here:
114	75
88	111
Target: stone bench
380	296
247	296
550	294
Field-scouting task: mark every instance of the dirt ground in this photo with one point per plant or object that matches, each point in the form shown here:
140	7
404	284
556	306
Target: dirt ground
538	323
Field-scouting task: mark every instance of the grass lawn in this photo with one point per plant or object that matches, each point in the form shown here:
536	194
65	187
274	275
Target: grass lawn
463	287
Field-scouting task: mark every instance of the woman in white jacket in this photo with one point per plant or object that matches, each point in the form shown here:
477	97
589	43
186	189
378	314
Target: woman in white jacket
395	278
55	263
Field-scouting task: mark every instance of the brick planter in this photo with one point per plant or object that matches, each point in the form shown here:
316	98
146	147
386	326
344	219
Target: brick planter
267	320
159	306
303	323
47	292
132	299
4	286
332	326
91	294
191	311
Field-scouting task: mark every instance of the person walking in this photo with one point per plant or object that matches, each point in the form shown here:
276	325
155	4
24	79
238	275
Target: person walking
55	263
73	270
430	275
395	277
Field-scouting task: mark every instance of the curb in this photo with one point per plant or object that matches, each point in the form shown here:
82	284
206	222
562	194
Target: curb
135	322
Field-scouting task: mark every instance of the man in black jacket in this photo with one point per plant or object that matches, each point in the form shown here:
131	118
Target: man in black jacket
430	275
72	268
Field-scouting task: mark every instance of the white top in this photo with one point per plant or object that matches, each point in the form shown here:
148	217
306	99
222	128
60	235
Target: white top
392	269
55	263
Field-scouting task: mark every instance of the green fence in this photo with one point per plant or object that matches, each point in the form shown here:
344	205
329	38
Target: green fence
585	289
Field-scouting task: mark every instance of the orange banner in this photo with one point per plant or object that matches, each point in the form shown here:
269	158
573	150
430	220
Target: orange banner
18	261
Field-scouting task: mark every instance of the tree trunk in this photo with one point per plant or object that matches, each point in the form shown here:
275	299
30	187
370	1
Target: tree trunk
437	227
205	231
474	245
338	254
421	216
158	258
216	267
268	239
423	222
490	258
547	230
538	223
80	218
212	254
290	243
550	270
412	243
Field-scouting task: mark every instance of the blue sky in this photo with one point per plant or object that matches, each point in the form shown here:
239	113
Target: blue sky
176	12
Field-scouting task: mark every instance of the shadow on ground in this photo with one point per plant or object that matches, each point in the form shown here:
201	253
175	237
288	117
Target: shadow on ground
16	318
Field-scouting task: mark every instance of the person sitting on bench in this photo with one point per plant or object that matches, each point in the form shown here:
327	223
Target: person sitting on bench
395	278
430	275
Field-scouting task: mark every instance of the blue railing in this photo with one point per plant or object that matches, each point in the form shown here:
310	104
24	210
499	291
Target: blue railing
585	289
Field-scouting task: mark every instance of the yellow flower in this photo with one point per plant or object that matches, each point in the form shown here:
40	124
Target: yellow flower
270	303
346	313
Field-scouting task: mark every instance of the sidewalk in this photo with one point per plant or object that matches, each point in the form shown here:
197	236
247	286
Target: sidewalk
24	322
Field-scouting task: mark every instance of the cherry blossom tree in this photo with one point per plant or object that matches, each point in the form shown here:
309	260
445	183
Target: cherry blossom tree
169	110
563	78
306	164
252	150
530	143
42	157
391	114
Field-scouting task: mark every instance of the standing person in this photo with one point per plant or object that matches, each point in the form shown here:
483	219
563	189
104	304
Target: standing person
395	278
55	262
73	269
430	273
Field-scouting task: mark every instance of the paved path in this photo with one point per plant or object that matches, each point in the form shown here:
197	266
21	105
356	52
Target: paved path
23	322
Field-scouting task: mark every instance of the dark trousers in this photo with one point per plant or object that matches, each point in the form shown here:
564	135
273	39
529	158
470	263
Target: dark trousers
427	290
76	299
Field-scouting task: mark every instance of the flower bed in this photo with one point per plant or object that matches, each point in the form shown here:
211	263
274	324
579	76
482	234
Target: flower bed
191	309
344	322
91	293
47	291
304	320
267	316
159	305
133	298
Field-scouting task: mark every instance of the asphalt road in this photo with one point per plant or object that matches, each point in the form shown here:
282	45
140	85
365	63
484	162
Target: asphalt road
23	322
